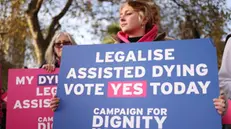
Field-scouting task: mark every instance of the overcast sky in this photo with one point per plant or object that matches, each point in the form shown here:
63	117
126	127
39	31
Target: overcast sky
228	3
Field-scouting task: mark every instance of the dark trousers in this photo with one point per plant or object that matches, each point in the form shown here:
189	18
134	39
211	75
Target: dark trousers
226	127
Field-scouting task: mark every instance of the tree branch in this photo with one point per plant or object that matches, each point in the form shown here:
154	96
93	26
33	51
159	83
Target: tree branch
34	7
54	24
32	18
180	5
34	27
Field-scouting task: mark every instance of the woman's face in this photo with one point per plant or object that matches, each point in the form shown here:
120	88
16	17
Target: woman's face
129	19
59	43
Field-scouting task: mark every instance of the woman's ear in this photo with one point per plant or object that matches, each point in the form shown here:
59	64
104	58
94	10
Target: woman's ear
142	19
145	20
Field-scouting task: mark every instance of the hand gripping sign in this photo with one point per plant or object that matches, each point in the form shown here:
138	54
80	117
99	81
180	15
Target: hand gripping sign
159	85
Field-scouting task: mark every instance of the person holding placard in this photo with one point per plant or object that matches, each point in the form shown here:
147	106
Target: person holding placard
146	30
54	50
139	25
225	70
225	77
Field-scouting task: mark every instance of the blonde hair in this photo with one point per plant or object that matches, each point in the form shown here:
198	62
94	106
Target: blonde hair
50	56
148	9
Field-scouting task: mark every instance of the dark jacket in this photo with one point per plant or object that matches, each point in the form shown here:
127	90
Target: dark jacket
57	64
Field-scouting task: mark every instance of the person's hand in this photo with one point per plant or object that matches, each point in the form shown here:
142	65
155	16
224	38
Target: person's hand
220	104
54	103
49	67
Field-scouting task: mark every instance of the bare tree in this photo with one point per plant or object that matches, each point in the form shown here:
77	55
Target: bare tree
40	41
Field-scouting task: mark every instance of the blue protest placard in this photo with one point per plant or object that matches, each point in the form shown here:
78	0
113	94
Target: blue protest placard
156	85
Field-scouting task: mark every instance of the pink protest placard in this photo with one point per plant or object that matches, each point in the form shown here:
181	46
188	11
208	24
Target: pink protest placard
28	98
1	113
4	97
0	77
227	118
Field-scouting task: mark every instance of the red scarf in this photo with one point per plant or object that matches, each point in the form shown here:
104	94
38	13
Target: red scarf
148	37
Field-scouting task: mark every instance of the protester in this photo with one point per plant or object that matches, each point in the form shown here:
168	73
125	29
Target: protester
225	70
139	25
54	50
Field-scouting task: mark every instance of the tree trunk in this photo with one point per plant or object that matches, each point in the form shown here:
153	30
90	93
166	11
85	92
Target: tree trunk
40	46
41	42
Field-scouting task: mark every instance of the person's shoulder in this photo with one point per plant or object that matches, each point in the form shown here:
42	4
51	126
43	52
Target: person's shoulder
228	41
163	37
227	38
